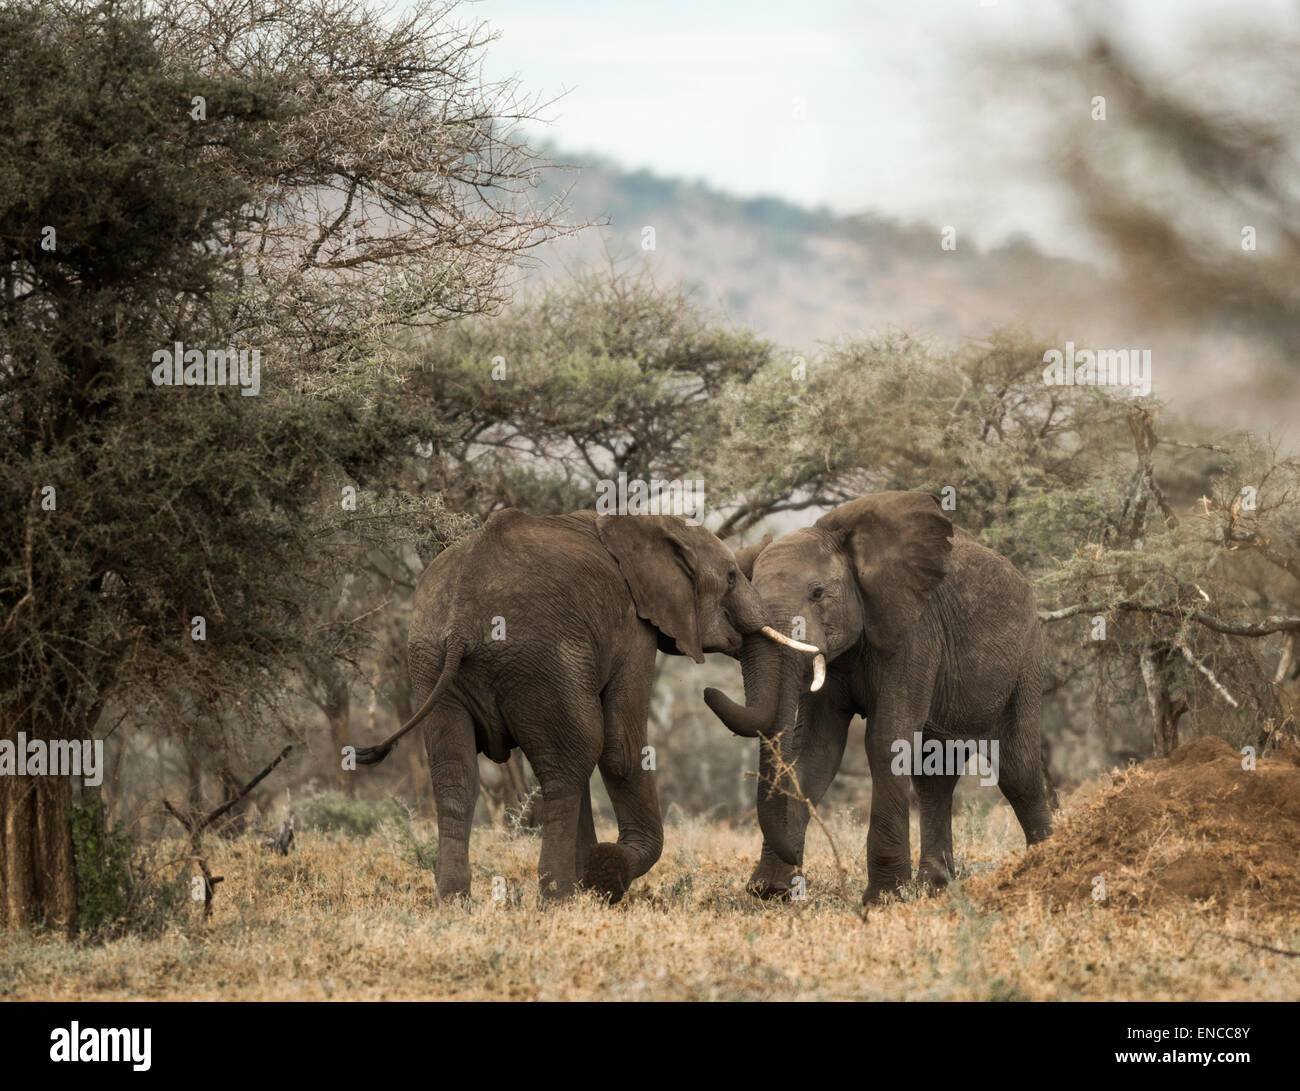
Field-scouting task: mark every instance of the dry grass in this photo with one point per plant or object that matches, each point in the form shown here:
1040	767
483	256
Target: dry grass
356	919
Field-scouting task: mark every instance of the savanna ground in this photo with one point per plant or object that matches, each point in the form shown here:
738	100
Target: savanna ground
1199	857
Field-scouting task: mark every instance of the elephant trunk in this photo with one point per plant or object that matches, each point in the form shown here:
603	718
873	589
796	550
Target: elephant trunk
760	668
778	786
760	659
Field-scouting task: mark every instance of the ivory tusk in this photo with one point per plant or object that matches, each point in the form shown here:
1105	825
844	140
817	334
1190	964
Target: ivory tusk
819	673
797	645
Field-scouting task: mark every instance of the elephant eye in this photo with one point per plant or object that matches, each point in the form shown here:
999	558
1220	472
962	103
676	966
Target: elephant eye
815	595
731	578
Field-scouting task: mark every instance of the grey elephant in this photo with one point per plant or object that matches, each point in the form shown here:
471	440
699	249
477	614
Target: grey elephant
540	632
922	629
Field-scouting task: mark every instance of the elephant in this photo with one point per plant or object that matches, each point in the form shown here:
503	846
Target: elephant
540	632
921	629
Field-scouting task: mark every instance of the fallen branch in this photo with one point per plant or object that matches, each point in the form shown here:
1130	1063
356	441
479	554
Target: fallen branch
195	823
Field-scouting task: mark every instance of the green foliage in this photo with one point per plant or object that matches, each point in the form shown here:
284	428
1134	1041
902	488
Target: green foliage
602	375
420	852
334	812
895	412
102	870
141	475
167	503
121	886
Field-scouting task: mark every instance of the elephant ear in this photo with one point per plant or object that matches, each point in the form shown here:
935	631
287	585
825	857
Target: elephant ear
747	555
899	544
659	566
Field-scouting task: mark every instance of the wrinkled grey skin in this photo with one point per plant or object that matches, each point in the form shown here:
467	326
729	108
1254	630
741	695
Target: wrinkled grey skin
585	601
923	629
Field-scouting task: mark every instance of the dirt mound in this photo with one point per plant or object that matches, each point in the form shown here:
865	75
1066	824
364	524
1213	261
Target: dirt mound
1194	827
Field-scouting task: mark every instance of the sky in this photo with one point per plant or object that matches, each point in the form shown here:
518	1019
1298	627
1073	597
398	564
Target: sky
859	106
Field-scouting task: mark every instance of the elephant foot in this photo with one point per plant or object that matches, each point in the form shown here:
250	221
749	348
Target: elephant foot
772	879
608	872
550	891
882	892
768	890
932	878
453	886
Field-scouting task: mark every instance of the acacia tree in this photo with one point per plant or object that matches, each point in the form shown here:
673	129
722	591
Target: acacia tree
162	183
601	375
104	233
1187	590
896	411
401	193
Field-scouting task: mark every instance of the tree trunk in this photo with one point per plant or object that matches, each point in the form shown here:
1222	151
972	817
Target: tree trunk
37	873
1099	731
1165	711
193	773
235	820
338	707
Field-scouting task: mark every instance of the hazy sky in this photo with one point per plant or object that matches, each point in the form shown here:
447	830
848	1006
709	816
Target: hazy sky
892	121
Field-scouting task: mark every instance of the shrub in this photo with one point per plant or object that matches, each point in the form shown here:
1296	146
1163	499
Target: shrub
121	887
334	812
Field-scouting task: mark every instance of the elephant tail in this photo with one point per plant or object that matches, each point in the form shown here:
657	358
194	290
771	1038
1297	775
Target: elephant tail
373	755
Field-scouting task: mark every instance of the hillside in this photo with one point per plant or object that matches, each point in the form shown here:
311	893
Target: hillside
803	276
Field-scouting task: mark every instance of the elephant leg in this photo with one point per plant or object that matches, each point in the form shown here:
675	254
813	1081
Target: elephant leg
889	846
935	793
901	712
560	733
1020	759
453	769
631	787
815	768
557	867
586	832
612	867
